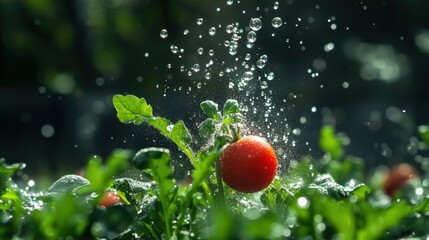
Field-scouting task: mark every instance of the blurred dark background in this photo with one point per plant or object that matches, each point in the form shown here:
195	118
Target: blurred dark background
362	65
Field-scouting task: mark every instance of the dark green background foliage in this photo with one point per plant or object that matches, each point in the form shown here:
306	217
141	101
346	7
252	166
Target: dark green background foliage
62	61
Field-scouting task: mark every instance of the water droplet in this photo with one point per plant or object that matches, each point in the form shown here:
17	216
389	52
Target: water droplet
229	28
276	5
200	21
196	67
100	81
329	47
264	85
247	76
419	191
251	36
260	63
186	32
276	22
247	57
31	183
229	2
174	49
270	76
255	24
163	33
212	31
200	51
211	52
303	202
208	75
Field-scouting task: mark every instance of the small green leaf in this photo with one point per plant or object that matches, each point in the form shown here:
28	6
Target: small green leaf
232	118
181	133
210	108
207	128
101	177
143	157
330	143
131	109
231	106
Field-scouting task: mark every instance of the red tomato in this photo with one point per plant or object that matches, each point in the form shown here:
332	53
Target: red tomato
111	198
248	165
397	177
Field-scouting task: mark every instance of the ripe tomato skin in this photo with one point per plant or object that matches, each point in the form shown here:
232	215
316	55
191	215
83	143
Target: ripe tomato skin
111	198
248	165
397	177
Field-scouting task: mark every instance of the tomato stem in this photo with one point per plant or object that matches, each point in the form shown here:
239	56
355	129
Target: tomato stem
236	131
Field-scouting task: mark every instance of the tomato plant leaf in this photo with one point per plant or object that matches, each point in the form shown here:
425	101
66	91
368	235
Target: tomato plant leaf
207	128
156	165
210	108
131	109
68	183
180	133
231	106
101	176
232	118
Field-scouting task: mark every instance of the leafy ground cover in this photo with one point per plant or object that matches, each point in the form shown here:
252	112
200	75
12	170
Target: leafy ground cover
328	198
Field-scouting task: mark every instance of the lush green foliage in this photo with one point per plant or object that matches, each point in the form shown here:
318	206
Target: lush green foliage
322	199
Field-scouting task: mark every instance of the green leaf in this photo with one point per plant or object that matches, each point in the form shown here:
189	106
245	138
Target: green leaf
232	118
210	108
326	184
101	177
131	109
131	185
350	168
180	133
7	171
111	222
204	167
330	143
143	157
61	216
231	106
156	164
68	183
207	128
424	134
